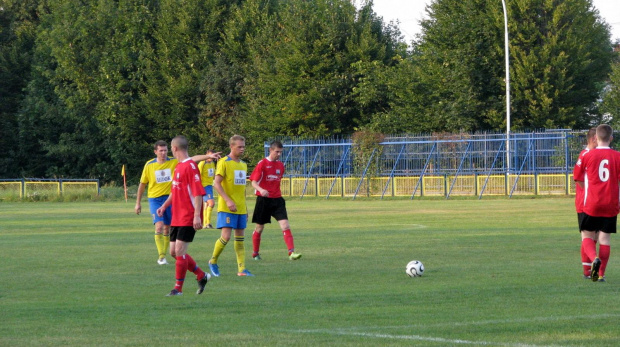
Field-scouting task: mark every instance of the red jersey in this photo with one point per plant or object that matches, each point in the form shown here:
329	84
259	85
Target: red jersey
186	184
599	169
268	175
579	191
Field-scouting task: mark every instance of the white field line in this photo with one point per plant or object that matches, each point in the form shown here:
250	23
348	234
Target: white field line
505	321
364	333
413	337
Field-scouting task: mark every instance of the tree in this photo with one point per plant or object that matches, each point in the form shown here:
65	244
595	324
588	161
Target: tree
18	23
611	99
560	52
302	73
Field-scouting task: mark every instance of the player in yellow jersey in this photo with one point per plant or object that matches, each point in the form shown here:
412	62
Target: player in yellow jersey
207	173
230	182
157	175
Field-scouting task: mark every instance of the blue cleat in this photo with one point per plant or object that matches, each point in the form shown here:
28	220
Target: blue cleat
215	270
245	272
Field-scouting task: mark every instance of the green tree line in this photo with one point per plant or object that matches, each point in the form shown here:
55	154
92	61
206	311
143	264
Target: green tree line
87	86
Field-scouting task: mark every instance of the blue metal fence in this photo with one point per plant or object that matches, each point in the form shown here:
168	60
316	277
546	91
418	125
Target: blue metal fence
449	156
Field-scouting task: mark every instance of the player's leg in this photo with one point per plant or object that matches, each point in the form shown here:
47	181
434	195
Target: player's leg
589	226
205	220
288	239
241	224
280	214
160	223
604	249
585	260
180	266
260	217
166	240
187	235
256	238
160	243
167	217
223	223
210	205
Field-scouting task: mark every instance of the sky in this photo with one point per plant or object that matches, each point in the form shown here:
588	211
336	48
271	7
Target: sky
410	12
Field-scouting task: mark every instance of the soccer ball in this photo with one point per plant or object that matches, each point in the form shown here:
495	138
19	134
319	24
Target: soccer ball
414	268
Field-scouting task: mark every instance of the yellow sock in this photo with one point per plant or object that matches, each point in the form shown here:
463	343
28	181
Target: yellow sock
240	252
159	242
208	217
205	220
217	250
166	244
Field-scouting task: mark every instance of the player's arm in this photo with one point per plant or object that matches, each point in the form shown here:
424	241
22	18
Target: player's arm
203	157
256	177
197	212
138	207
263	192
217	184
168	202
578	172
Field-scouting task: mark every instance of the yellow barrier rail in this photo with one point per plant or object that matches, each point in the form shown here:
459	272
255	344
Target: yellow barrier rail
466	185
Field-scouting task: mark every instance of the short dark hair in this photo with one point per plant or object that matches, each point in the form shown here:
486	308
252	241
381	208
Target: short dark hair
180	142
604	132
276	144
591	133
160	143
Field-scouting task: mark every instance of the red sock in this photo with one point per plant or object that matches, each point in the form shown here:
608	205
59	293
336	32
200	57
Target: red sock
589	248
603	253
586	262
191	266
256	242
288	239
181	269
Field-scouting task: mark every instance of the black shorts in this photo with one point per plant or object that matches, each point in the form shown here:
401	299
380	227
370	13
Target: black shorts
604	224
580	217
266	208
185	234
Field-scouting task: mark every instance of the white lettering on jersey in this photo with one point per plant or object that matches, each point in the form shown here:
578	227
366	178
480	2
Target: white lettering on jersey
603	171
239	177
163	176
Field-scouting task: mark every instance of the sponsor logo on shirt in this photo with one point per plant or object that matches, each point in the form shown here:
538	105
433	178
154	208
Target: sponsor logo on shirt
163	176
272	177
211	172
239	177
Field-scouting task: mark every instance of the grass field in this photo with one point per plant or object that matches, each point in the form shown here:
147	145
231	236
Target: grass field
498	273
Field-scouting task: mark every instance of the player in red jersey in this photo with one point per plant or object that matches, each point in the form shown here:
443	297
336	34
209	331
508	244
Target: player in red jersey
579	195
266	179
599	173
186	199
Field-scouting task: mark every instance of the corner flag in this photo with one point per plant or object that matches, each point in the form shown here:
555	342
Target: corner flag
124	181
